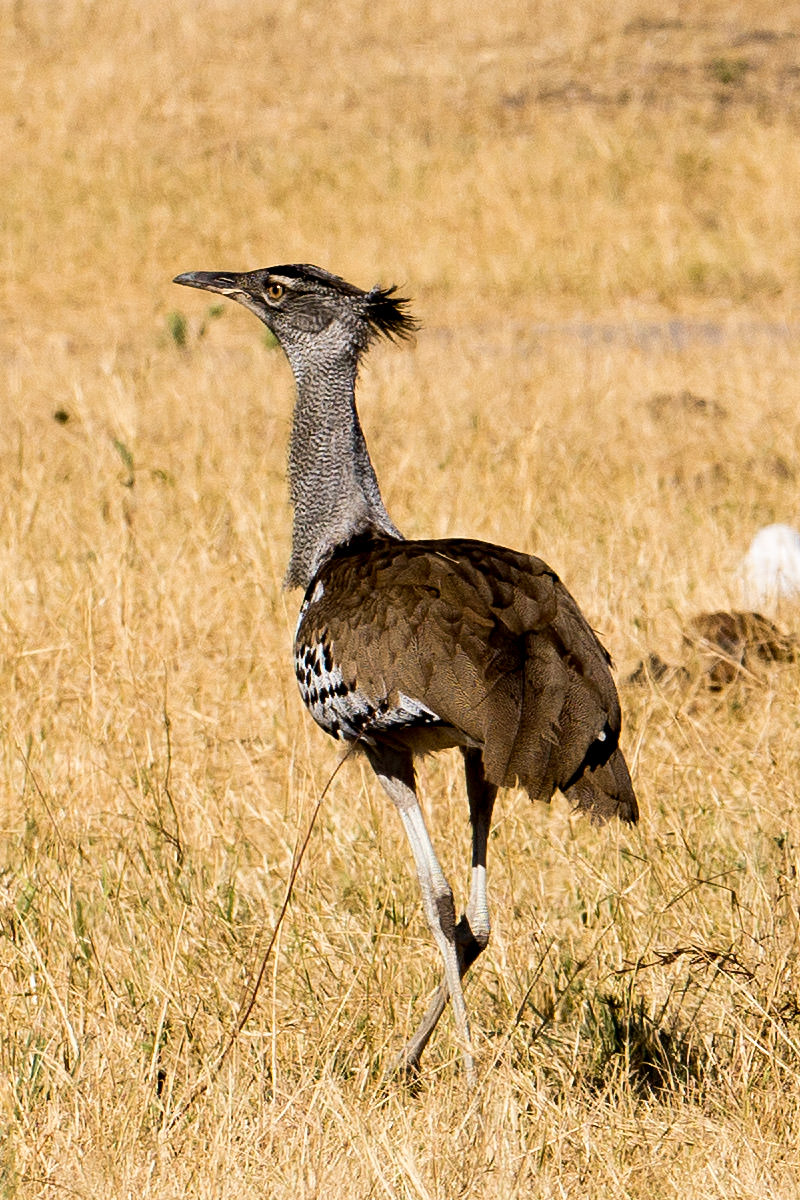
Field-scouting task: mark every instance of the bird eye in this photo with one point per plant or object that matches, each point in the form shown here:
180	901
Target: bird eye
275	291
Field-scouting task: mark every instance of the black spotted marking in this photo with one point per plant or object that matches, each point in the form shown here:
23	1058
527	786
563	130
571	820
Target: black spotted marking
339	706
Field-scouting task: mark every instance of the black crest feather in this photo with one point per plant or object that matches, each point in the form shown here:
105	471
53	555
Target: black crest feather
388	314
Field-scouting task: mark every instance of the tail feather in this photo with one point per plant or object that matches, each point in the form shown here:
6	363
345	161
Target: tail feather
566	729
605	791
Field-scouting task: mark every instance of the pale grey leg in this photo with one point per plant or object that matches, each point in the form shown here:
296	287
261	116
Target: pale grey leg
472	931
395	770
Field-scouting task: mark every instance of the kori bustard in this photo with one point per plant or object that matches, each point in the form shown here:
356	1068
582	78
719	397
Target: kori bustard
405	647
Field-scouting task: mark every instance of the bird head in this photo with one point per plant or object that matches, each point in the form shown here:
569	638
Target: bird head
303	305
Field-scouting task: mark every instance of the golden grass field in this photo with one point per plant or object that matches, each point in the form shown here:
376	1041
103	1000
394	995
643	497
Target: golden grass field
553	185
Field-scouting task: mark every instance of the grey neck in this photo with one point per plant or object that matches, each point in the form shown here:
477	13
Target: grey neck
332	482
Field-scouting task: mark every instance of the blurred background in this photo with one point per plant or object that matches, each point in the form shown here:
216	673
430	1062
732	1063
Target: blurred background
594	210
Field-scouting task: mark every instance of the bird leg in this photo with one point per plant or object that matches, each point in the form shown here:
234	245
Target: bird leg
472	930
395	770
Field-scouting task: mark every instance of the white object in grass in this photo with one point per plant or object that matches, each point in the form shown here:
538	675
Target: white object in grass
771	567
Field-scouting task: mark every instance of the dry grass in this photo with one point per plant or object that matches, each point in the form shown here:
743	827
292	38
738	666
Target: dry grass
553	185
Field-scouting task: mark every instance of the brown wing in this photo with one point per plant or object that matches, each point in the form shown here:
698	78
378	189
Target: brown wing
485	641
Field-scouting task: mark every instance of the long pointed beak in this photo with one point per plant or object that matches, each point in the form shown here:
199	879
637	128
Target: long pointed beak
224	282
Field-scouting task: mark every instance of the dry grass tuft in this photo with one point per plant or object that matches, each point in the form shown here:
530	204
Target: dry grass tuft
597	215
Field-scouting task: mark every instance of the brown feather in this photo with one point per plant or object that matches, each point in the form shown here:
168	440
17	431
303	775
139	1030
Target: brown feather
491	642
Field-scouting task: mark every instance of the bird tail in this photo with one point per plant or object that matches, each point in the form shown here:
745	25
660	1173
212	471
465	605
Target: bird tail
552	740
605	791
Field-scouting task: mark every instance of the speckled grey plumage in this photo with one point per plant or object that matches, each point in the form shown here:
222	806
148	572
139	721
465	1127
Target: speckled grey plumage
340	500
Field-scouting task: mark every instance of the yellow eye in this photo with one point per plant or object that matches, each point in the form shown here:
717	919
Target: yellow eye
275	291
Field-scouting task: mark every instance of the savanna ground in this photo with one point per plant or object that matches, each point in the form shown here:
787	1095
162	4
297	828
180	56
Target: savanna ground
596	210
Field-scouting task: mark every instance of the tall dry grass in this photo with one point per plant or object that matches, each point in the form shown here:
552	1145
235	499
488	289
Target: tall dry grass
554	186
